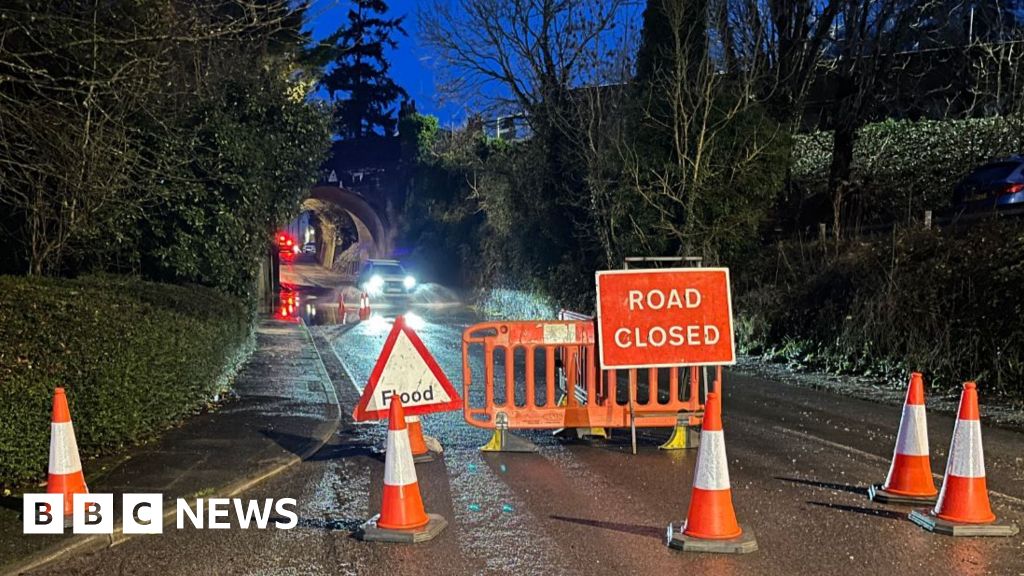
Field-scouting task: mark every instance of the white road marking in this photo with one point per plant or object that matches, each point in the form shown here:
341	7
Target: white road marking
344	367
875	457
331	392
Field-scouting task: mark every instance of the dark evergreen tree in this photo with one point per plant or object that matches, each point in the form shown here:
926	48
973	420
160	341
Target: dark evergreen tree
703	176
658	53
359	80
659	87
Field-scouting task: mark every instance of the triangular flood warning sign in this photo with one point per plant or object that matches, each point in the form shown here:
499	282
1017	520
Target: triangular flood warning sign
405	369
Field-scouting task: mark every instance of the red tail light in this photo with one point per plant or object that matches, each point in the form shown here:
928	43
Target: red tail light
1011	189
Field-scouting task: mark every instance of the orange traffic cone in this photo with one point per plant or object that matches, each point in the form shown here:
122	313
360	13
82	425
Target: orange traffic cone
364	307
401	518
963	508
420	452
910	475
64	475
711	521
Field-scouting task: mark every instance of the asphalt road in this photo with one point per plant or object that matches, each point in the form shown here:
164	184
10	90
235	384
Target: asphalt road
799	461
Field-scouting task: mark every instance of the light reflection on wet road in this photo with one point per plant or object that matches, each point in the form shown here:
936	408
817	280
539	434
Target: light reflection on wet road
495	523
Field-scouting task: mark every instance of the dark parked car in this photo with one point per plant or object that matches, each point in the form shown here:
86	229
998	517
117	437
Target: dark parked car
992	186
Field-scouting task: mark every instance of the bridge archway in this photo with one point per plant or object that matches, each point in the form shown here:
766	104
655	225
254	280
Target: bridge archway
375	236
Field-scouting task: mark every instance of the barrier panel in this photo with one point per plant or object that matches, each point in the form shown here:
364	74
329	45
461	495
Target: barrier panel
511	372
560	361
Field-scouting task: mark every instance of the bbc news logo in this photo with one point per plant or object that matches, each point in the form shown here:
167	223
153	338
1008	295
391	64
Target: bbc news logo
143	513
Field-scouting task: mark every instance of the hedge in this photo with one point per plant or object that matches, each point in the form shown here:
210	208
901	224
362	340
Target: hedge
135	357
903	168
944	302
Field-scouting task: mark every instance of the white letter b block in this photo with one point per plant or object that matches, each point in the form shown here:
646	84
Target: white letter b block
93	514
43	513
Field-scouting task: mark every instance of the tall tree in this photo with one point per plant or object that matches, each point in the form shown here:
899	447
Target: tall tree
129	142
529	57
658	52
864	58
701	156
360	79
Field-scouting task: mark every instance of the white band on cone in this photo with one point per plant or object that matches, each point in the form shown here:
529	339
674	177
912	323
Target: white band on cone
63	449
399	469
912	439
712	469
413	418
966	458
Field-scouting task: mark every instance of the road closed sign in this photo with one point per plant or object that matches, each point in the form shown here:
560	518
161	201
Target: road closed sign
405	370
664	317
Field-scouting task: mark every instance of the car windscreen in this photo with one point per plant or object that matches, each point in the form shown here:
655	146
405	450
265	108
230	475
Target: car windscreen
388	270
991	173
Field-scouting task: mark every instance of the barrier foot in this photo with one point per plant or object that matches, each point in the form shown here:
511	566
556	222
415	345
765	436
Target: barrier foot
683	437
505	441
745	543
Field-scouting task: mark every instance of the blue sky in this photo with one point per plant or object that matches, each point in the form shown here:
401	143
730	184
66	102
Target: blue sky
410	62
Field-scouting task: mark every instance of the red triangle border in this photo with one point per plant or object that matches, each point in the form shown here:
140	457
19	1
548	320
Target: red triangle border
361	414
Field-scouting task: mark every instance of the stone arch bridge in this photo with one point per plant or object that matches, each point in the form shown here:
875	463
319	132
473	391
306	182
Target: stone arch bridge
376	236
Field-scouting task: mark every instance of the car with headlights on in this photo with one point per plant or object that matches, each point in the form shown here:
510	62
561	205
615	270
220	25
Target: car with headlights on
385	278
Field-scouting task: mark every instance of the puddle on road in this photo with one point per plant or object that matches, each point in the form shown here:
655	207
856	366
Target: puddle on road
340	306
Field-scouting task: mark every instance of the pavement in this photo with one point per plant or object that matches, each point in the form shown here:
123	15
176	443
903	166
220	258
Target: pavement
304	271
286	408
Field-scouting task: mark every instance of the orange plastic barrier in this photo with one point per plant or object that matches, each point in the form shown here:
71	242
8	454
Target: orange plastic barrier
519	369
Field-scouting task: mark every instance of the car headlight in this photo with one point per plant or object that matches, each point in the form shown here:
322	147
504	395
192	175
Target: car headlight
375	283
409	282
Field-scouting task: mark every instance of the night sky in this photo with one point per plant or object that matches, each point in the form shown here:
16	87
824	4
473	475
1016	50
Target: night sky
410	64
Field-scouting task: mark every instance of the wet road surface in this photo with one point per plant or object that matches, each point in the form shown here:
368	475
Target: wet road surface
799	460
